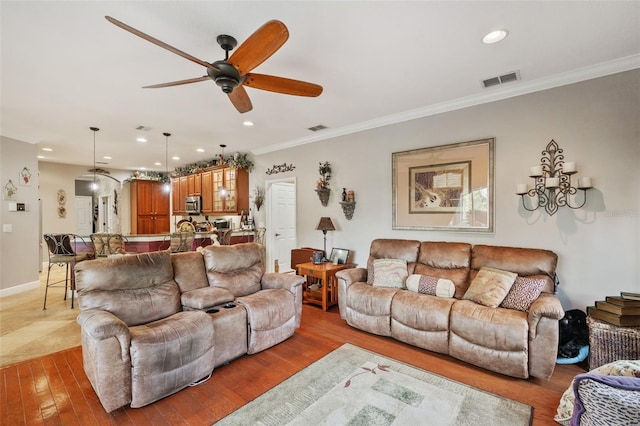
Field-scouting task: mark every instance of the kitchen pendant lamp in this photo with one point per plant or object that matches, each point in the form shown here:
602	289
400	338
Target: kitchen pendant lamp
94	185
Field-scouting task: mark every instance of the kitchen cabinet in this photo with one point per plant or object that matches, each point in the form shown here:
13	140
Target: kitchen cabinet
209	186
177	200
149	207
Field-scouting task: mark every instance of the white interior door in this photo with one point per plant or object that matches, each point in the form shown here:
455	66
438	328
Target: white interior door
281	223
84	216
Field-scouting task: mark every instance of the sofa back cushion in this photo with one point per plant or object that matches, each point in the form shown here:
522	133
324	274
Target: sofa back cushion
137	289
189	271
406	250
238	268
446	260
525	262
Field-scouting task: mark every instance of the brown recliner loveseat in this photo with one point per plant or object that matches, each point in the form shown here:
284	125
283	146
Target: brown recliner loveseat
518	343
154	323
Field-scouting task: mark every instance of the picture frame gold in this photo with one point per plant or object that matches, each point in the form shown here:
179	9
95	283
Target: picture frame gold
445	188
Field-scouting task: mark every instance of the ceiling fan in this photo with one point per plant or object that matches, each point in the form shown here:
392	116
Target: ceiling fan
234	72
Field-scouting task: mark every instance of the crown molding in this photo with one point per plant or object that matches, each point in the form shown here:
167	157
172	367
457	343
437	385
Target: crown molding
615	66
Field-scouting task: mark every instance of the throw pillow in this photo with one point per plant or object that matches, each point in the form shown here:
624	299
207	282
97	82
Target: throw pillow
490	286
616	368
389	273
434	286
523	292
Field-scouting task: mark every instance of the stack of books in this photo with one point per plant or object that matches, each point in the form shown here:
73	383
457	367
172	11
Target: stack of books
623	310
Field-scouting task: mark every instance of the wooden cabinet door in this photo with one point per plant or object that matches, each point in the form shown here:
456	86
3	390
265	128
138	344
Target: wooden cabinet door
145	224
160	199
184	187
242	190
197	184
144	197
177	202
207	192
161	224
230	184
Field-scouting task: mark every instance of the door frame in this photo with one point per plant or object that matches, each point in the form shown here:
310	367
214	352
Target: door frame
270	238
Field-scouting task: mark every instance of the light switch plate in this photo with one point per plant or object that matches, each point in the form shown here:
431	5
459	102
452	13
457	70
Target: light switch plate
6	227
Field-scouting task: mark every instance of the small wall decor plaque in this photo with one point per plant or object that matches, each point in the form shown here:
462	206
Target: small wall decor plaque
10	191
280	168
25	177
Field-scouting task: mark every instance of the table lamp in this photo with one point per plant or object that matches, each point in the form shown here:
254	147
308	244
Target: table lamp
325	225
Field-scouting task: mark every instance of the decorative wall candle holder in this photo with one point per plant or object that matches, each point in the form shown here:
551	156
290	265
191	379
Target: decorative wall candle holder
348	207
552	182
323	194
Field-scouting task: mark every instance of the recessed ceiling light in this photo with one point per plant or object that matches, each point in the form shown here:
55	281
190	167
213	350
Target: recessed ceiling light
143	168
157	163
200	150
107	157
47	149
41	157
141	139
247	123
494	36
175	158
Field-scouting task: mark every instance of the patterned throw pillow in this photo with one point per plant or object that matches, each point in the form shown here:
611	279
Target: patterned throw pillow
523	292
490	286
434	286
389	273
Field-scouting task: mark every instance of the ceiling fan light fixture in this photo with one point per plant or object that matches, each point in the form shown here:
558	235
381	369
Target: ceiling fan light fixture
495	36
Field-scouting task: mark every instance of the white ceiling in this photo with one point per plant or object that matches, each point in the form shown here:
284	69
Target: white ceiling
65	68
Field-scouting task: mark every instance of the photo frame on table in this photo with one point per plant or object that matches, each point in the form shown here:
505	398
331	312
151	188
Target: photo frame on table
339	256
445	188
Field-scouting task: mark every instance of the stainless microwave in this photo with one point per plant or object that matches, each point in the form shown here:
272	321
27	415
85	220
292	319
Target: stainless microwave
192	205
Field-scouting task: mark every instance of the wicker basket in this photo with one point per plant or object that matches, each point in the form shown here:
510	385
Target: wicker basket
608	342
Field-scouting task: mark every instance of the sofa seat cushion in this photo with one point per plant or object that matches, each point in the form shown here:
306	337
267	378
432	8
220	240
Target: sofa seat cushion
169	354
421	320
369	308
271	317
205	297
492	338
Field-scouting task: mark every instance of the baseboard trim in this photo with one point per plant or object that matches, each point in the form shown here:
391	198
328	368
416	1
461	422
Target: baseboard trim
20	288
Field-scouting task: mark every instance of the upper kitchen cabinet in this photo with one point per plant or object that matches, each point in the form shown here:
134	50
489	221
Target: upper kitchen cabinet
149	207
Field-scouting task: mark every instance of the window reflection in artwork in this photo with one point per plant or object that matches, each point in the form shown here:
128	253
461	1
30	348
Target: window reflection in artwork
439	188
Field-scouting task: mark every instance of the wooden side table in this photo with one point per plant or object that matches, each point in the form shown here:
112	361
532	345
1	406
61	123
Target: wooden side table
327	296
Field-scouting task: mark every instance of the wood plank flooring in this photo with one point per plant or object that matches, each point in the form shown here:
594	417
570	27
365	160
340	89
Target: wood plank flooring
54	390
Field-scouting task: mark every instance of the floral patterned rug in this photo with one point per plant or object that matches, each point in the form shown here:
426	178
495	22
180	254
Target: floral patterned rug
353	386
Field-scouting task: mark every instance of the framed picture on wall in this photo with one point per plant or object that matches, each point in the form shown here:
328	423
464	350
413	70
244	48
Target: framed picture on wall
445	188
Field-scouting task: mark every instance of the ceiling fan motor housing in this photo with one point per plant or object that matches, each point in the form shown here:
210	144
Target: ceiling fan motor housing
226	76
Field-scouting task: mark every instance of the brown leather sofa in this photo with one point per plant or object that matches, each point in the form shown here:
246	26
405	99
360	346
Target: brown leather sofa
154	323
508	341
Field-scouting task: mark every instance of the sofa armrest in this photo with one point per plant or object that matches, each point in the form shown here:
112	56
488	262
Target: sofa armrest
278	280
352	275
204	298
101	325
547	305
345	278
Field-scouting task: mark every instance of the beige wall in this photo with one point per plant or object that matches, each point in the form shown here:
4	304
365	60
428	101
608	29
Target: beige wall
596	123
19	248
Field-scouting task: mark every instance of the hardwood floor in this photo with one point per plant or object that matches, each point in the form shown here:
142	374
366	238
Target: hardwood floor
53	389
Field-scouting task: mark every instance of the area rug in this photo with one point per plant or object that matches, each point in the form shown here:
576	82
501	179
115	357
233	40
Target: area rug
353	386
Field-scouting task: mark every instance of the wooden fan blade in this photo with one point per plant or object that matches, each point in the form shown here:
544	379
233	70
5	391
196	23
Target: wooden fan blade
178	83
240	99
264	42
282	85
159	43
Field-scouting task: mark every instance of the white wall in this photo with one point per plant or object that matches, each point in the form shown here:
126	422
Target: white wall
19	248
595	122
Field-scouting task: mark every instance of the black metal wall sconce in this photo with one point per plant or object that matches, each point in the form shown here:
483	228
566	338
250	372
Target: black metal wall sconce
552	182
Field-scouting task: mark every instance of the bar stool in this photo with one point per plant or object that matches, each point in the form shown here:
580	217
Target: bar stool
62	253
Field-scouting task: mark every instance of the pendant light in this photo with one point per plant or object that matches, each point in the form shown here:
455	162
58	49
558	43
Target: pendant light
223	189
94	185
167	185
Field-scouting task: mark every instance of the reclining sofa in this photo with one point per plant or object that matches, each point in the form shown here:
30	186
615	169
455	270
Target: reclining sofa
154	323
520	340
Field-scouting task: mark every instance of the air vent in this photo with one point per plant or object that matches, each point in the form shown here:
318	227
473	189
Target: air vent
501	79
145	128
317	127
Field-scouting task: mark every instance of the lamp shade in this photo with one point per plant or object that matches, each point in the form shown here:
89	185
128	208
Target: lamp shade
325	224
